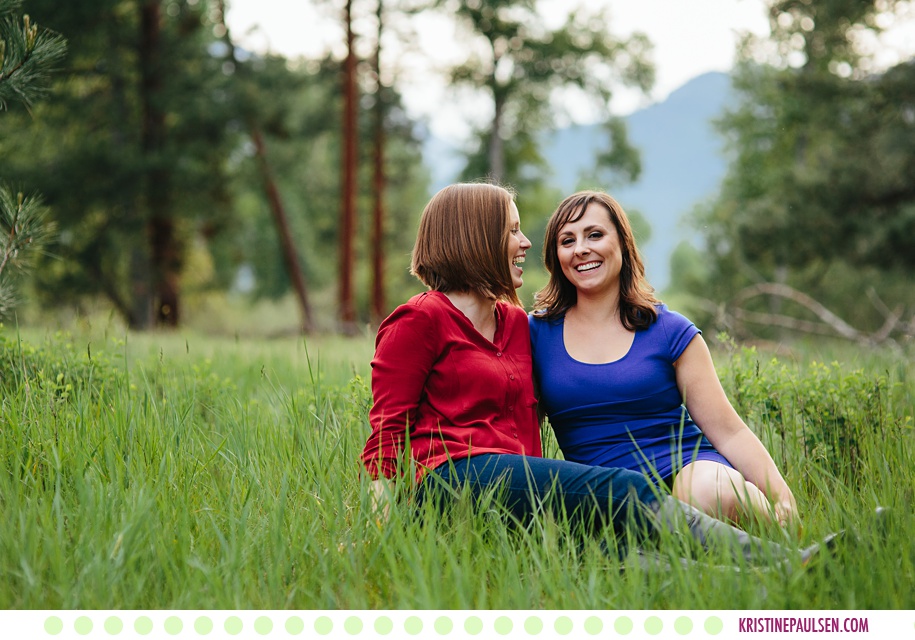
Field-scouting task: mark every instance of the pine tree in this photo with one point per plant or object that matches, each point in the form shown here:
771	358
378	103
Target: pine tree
27	54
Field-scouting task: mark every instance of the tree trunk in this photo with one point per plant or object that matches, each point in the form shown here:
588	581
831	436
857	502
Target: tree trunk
378	301
280	219
139	311
166	262
348	186
165	254
136	304
496	146
290	257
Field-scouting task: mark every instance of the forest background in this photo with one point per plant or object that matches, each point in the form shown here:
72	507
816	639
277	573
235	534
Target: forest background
191	182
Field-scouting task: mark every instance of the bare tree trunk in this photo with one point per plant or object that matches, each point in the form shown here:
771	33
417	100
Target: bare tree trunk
165	254
140	308
496	150
348	186
280	219
166	267
290	257
137	305
496	146
378	301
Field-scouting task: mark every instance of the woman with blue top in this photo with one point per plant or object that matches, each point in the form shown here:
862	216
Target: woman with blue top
628	383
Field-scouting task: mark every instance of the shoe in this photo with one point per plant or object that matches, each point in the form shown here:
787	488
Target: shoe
830	543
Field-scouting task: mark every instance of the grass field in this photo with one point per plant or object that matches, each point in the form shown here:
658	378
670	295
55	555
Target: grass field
186	472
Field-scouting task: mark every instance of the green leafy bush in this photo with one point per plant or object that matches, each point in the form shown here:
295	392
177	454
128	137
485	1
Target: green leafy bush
824	413
57	367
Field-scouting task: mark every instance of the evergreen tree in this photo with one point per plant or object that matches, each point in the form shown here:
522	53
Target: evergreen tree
820	196
133	151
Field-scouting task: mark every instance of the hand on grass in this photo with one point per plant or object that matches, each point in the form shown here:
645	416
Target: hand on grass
382	491
786	512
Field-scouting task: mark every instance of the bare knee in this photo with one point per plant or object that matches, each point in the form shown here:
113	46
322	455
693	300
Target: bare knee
712	488
694	486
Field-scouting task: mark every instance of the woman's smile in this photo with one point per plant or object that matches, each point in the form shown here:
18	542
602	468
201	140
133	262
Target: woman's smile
588	245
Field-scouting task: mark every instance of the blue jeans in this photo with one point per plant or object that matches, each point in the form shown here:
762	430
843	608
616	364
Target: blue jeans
593	497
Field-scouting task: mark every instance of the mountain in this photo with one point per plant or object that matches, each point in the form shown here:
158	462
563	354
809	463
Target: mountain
682	162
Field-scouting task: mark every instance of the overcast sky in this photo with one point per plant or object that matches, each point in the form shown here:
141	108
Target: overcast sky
690	37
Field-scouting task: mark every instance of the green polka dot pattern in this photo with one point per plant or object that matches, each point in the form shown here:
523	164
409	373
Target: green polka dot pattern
392	624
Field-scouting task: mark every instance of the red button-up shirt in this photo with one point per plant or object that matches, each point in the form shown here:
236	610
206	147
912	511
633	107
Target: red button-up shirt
436	378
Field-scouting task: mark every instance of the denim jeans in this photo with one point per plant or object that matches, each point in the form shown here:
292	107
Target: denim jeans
592	497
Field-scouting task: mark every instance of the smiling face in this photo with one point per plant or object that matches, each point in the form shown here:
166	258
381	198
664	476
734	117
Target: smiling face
589	253
518	245
582	263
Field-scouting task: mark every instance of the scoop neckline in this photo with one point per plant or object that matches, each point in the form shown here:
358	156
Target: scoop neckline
565	350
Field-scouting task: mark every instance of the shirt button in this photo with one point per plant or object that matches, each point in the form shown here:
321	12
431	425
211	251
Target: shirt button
511	377
499	354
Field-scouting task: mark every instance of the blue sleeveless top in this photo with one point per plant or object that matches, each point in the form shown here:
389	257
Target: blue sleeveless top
627	413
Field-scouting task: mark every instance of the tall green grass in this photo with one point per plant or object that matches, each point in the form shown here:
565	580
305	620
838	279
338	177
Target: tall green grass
189	472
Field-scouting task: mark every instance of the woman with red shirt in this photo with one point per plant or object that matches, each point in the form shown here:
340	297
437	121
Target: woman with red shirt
452	376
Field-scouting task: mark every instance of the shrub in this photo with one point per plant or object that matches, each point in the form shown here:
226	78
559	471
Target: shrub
826	413
57	367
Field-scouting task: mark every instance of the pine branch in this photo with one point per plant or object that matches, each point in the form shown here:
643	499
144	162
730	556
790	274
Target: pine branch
8	298
24	230
9	7
27	56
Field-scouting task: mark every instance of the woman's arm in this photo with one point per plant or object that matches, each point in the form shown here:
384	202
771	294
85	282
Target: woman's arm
402	362
711	410
404	356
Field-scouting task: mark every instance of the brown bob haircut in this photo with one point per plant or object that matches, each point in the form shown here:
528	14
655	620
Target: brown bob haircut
462	242
637	301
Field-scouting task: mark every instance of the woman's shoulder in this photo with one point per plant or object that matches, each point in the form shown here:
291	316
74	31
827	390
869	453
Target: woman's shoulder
427	302
540	326
669	316
674	325
511	312
419	310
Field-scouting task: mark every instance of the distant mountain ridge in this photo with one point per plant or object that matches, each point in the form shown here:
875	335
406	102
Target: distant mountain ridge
682	162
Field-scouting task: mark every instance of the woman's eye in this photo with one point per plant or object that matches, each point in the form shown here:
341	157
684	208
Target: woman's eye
565	242
596	234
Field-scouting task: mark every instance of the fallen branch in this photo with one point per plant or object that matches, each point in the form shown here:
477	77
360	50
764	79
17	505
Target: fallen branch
784	291
830	324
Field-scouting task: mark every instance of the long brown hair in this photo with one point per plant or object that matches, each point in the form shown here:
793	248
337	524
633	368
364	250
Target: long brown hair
462	242
637	300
